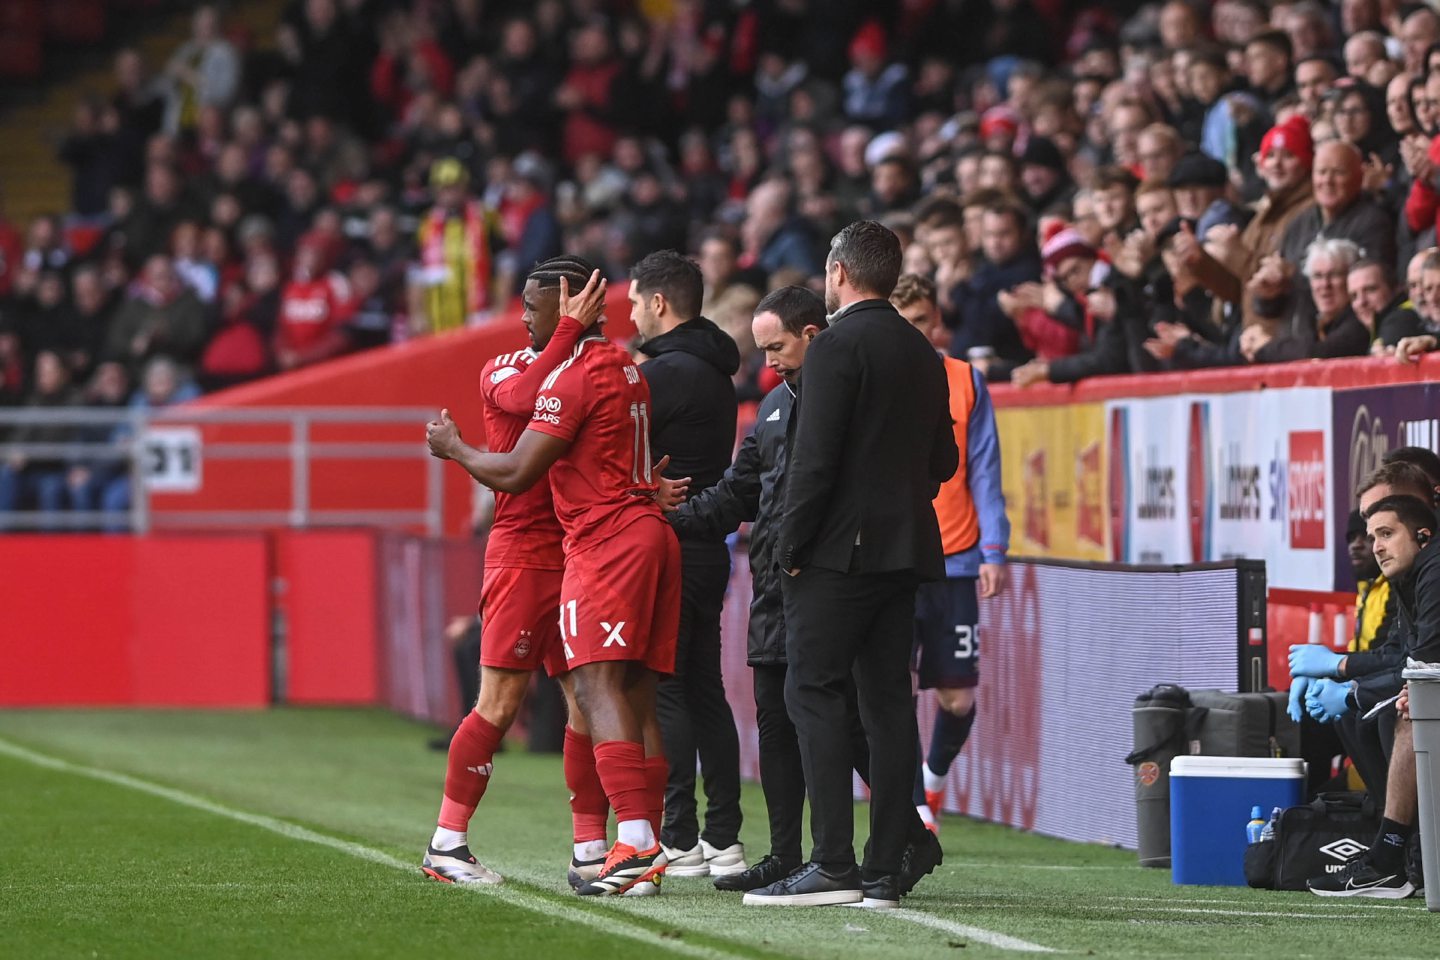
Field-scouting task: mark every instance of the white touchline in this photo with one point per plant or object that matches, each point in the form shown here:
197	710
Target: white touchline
509	895
979	934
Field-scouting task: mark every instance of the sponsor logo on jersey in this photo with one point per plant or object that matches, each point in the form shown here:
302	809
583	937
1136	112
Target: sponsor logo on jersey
547	404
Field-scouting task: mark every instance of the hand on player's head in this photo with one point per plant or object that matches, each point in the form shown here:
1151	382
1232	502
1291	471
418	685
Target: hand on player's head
587	306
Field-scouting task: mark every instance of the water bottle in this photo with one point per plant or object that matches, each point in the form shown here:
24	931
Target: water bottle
1255	826
1268	833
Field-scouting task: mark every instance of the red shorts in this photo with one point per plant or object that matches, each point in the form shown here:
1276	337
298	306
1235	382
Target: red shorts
518	629
621	598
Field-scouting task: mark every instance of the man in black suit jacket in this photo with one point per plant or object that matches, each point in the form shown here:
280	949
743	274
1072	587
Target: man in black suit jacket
873	442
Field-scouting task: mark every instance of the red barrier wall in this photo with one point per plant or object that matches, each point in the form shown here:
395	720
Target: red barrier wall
329	596
162	621
1339	374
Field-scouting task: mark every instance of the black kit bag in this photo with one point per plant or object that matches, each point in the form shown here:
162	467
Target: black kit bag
1312	840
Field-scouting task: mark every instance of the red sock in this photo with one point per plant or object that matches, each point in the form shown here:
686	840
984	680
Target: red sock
657	774
589	807
621	765
468	773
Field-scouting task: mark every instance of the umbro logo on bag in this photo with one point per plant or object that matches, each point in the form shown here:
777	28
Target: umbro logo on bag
1344	849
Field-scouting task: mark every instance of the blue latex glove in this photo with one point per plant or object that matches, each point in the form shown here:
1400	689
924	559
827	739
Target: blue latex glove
1296	707
1314	660
1328	700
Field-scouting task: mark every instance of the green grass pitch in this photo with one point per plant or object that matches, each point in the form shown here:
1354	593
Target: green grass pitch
292	833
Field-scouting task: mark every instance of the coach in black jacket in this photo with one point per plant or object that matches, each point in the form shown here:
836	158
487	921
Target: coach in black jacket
873	442
692	421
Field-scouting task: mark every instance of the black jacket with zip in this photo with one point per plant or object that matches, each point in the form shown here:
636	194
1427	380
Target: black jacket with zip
692	413
751	491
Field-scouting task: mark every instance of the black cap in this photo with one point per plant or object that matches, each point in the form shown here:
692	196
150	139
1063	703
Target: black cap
1197	169
1042	152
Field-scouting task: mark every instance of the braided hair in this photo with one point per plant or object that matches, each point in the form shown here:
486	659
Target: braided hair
576	270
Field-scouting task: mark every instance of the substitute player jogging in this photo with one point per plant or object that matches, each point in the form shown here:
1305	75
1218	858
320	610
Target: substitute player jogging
520	593
975	535
619	599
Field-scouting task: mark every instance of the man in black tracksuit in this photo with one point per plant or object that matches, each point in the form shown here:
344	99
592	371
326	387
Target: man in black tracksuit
692	421
751	491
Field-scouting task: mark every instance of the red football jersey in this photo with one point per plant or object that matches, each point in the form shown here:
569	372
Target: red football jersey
526	532
309	309
598	400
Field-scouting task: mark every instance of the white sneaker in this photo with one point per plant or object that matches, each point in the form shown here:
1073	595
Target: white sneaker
457	866
687	863
726	862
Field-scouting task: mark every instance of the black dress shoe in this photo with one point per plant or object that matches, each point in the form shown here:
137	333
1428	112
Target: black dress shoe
762	874
921	856
880	893
811	885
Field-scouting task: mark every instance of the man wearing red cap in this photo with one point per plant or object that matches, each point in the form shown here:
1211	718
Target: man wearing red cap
1284	162
875	93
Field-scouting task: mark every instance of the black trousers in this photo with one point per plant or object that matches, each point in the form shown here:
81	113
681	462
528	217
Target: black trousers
841	625
695	718
782	779
1369	743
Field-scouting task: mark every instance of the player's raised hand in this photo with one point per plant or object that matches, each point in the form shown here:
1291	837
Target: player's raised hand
442	436
587	306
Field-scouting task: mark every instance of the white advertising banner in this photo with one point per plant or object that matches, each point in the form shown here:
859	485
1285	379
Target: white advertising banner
1228	476
1149	486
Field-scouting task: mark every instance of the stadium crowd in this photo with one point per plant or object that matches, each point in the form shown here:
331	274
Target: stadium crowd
1155	187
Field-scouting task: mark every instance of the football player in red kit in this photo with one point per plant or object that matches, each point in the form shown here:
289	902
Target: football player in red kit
524	564
619	611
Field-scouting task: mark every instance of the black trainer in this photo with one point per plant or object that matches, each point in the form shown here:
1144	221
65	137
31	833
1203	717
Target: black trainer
810	885
1359	878
762	874
880	893
922	855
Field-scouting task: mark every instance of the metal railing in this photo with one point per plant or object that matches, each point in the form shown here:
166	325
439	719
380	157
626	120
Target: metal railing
157	453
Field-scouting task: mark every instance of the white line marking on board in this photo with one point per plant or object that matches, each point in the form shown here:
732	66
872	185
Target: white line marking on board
511	895
978	934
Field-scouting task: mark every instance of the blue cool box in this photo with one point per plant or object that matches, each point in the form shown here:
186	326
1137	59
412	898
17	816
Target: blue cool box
1210	803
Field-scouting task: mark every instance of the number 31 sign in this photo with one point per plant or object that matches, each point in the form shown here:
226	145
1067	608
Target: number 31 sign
170	459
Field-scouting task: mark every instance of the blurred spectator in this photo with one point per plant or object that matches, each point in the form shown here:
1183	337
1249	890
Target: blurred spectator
876	92
159	316
457	242
240	348
983	325
313	310
773	237
38	481
87	479
203	72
